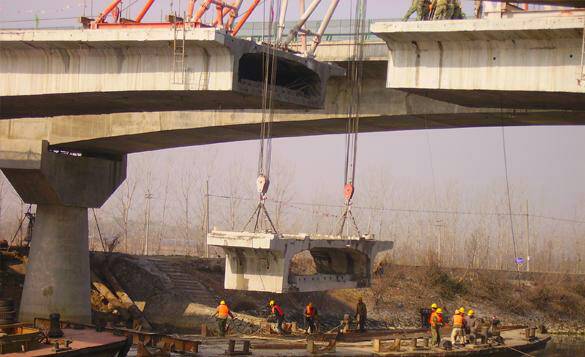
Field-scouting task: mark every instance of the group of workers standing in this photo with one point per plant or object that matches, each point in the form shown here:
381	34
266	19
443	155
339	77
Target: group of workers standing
310	314
466	327
435	10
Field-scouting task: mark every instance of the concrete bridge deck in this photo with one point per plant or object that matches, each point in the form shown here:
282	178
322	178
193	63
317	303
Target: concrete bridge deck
528	63
71	72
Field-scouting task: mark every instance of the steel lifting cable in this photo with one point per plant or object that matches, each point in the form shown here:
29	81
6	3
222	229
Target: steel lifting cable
270	64
508	188
355	74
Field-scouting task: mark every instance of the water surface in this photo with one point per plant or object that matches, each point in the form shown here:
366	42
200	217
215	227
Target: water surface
564	346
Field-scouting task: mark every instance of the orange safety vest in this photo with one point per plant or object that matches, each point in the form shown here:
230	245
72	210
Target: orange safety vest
439	319
223	311
310	311
458	321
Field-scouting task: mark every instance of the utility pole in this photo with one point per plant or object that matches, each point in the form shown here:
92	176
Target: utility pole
206	217
439	224
148	197
527	238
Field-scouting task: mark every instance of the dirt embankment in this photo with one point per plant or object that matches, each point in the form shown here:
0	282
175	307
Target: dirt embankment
395	298
179	293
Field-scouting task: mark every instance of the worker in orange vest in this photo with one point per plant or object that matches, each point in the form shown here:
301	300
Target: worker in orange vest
221	314
277	312
434	308
310	317
458	334
436	324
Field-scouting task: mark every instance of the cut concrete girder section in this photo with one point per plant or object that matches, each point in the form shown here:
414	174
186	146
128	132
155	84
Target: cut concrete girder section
73	72
512	63
261	261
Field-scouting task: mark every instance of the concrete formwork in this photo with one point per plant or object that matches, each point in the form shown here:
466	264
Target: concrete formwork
529	63
68	72
261	261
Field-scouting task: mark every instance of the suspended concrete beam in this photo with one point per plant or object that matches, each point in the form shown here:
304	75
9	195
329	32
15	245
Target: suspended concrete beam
72	72
529	63
262	261
63	186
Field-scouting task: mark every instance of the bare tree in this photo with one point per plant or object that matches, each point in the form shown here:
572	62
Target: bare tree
235	189
163	222
125	201
184	196
282	193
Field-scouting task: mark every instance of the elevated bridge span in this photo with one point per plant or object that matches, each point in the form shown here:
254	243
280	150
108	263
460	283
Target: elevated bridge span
78	72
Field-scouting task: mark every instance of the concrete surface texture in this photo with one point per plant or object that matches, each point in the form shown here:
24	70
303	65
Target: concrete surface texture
62	179
68	72
529	63
57	277
261	261
382	110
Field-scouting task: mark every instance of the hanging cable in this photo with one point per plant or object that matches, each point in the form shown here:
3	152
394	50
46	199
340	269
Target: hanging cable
355	74
508	189
270	67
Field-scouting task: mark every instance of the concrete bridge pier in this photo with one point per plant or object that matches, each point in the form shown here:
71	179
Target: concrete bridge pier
58	268
63	186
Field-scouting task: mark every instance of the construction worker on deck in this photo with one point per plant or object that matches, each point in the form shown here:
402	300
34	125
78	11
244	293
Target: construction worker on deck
436	324
477	327
221	314
457	334
421	7
277	312
441	9
469	320
310	317
455	12
361	314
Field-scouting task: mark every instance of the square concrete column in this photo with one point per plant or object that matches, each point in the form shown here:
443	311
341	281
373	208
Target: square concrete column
58	276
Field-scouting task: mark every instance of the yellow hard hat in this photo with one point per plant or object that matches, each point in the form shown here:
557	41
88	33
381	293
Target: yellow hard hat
434	306
271	302
310	304
470	313
222	302
439	310
462	310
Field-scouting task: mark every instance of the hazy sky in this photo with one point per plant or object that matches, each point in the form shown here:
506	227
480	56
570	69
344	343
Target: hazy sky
547	162
67	10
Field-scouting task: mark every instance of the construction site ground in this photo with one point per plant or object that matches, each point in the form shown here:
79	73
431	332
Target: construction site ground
177	294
